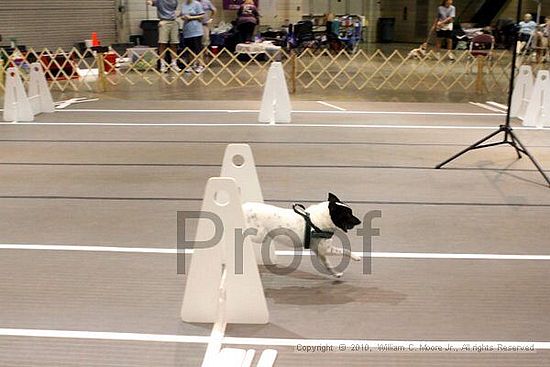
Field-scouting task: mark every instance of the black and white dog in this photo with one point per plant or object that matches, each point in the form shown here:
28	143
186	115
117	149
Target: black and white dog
312	227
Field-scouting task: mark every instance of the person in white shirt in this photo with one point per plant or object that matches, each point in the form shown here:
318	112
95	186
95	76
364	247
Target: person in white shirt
446	14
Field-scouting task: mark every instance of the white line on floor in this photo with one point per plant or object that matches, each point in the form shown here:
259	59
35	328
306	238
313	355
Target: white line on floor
388	255
499	105
487	107
331	106
411	127
165	338
340	112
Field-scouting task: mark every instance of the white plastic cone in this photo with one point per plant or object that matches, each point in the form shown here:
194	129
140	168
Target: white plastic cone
276	107
245	301
16	104
39	93
523	90
538	110
238	163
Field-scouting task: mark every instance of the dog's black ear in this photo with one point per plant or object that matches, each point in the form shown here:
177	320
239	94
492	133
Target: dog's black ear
332	198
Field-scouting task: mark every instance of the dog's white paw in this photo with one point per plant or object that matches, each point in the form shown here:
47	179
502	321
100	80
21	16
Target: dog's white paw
337	275
355	257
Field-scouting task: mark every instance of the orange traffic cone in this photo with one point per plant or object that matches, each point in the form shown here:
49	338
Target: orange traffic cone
95	41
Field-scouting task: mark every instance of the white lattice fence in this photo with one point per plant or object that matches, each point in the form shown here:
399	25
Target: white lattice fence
81	71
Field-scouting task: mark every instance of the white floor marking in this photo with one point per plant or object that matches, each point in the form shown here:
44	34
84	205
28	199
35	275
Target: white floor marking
498	105
387	255
164	338
331	106
269	126
339	112
487	107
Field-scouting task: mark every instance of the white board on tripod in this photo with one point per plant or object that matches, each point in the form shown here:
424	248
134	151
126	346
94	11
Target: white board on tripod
523	90
538	110
238	162
275	107
16	103
245	299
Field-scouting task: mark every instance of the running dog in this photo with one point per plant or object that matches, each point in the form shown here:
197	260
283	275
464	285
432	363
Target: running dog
308	228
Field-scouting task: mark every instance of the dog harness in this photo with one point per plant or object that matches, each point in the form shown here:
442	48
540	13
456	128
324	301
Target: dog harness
311	230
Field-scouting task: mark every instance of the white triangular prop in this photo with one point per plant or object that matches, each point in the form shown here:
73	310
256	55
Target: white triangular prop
245	300
268	358
39	93
238	162
523	89
538	110
276	107
16	104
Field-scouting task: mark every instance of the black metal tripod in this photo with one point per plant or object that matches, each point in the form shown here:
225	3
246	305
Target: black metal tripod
510	138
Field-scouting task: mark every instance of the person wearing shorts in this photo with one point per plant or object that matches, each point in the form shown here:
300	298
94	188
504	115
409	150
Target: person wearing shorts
193	15
168	31
526	29
209	11
446	14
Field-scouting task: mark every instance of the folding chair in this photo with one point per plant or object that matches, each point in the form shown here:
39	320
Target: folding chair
481	50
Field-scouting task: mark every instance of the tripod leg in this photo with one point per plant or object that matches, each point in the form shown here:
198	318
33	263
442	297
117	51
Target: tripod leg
471	147
539	168
514	143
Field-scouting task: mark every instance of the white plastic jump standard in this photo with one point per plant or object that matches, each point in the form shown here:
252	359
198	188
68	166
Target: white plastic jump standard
20	106
523	89
276	107
245	301
238	163
16	104
40	96
538	110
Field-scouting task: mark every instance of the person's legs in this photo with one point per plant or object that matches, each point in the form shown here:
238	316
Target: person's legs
438	37
450	47
164	40
174	42
544	46
249	29
437	44
206	35
522	42
241	30
194	44
197	49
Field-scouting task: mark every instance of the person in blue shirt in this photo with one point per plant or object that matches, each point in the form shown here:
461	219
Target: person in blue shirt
192	14
526	29
168	30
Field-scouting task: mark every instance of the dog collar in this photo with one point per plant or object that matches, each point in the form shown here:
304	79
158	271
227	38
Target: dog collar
311	230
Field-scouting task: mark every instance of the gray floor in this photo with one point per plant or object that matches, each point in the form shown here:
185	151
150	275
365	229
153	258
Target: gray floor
108	178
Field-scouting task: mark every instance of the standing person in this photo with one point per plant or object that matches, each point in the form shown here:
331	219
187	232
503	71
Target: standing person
446	14
168	31
247	20
209	11
192	15
526	29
